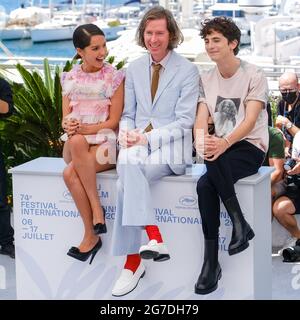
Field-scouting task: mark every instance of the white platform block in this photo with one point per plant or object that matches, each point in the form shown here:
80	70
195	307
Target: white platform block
47	224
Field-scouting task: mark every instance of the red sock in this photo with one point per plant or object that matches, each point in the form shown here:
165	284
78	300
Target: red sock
153	233
132	262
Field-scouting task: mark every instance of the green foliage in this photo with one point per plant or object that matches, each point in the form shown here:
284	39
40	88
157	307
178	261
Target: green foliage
35	127
48	78
110	59
274	99
69	65
120	64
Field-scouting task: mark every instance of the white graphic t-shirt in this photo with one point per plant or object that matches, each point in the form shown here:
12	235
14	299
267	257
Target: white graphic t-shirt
226	99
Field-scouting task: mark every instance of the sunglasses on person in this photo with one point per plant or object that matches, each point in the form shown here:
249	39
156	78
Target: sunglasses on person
284	91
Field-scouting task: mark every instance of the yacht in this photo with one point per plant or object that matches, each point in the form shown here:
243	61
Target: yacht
111	28
277	37
234	11
21	20
60	27
275	30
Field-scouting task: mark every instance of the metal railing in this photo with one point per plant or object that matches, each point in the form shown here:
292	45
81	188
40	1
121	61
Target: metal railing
31	62
272	71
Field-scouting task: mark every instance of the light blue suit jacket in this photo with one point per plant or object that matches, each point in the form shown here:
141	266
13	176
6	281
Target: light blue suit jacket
172	113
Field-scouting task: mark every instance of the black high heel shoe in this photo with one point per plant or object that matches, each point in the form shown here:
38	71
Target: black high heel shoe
100	227
83	256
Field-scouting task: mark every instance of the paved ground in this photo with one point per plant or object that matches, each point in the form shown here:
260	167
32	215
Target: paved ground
286	279
7	278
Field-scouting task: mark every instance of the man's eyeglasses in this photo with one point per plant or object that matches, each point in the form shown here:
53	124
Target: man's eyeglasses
287	90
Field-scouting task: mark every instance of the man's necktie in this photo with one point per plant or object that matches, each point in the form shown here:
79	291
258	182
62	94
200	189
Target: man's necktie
155	79
154	85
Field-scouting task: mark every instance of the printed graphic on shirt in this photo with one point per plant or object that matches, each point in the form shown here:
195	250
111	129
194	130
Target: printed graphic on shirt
225	115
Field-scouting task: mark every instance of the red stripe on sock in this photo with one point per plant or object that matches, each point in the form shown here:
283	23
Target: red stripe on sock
153	233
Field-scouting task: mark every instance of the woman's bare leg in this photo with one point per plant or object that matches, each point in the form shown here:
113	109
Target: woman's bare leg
66	153
86	166
83	205
97	208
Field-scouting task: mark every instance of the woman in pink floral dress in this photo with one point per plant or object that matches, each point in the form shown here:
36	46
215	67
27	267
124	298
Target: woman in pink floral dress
92	106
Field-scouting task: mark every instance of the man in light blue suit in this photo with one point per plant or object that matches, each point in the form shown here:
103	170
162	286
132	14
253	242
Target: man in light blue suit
161	92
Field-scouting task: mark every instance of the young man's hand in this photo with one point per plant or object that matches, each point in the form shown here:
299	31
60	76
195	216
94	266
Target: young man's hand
214	147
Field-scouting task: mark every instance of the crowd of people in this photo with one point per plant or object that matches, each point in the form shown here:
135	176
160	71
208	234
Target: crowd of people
286	198
147	122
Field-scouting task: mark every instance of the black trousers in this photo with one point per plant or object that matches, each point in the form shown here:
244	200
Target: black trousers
239	161
6	230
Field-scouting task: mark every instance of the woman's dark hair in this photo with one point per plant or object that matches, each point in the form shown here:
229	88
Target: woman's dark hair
156	13
82	35
223	25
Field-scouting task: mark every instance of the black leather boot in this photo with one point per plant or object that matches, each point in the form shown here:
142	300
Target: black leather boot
241	230
211	271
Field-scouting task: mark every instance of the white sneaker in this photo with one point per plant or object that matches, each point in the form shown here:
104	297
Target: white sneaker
289	242
154	250
128	281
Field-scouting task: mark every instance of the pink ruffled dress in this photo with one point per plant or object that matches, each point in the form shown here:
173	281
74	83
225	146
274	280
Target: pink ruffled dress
90	95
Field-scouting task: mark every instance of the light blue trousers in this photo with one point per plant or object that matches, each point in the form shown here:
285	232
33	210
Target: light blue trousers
137	170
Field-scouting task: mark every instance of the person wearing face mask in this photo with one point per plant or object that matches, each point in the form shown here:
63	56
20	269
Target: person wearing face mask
288	119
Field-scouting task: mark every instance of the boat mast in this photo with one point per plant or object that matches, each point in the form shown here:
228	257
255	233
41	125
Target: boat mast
187	13
104	8
51	9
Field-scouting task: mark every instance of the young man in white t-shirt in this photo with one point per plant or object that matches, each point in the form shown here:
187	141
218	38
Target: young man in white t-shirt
234	94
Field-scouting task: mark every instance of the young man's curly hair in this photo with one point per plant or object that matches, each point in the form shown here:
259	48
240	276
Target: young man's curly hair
223	25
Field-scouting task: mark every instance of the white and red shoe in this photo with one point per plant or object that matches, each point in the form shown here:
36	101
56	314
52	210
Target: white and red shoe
128	281
157	251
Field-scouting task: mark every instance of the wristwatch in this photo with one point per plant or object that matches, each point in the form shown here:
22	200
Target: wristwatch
289	125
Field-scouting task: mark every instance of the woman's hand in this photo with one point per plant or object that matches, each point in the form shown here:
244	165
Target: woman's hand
214	147
70	126
86	129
